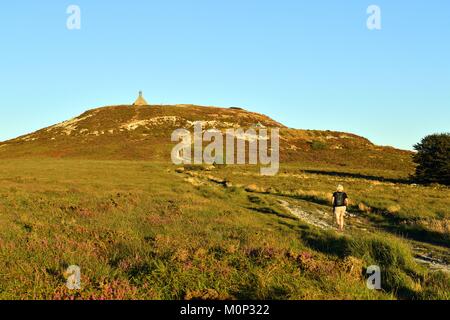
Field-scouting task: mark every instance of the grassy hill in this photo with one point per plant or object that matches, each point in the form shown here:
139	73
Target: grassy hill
143	133
99	192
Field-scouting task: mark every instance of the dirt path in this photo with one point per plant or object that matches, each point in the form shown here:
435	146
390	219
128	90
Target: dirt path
320	216
424	255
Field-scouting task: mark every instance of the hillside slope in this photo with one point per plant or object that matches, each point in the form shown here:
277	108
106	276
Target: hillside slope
143	133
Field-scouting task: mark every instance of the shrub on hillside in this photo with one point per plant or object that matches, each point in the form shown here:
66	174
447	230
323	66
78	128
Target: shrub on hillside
318	145
433	159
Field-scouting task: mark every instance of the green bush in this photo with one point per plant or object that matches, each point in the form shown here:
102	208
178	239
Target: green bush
318	145
433	159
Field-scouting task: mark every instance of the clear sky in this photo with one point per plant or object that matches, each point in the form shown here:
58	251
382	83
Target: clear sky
308	64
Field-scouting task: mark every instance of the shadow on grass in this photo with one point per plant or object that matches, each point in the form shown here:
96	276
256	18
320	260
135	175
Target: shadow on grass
358	176
268	210
326	242
418	233
384	220
308	198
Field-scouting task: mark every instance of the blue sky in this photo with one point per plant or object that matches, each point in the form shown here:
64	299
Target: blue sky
307	64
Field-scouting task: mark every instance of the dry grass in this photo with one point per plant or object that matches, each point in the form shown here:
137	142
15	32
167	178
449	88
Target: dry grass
139	231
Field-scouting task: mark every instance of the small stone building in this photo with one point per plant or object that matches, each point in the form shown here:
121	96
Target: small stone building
140	101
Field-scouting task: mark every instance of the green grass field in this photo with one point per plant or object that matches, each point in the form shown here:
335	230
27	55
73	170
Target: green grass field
139	230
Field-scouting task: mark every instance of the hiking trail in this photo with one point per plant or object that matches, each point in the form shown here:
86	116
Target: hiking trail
433	257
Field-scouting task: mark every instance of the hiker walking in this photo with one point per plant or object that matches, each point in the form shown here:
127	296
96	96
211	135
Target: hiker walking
340	202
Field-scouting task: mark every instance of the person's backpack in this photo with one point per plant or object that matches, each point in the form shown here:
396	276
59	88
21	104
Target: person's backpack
339	199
